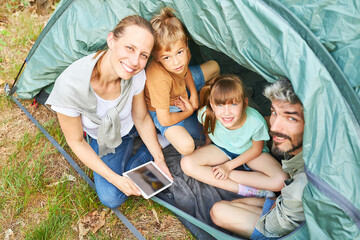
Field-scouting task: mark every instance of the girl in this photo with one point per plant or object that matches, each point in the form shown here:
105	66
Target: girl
238	134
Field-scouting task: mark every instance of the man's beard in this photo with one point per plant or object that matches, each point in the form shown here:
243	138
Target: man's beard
284	154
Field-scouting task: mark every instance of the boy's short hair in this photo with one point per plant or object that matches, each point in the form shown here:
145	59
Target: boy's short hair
168	29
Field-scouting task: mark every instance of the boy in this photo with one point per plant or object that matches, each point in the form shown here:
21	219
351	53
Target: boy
168	79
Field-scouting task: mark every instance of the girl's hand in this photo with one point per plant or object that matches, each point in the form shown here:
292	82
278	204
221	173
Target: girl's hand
162	165
221	172
194	100
125	185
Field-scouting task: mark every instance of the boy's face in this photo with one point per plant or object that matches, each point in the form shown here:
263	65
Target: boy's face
176	59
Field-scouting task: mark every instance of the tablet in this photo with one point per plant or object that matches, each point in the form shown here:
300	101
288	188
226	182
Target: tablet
149	179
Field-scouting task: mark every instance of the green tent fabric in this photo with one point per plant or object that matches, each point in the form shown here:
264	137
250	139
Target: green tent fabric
316	44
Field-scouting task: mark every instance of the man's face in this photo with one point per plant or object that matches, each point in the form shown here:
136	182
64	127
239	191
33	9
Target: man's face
286	128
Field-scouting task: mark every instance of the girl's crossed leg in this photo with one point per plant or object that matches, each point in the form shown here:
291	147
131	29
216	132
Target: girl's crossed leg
267	173
199	165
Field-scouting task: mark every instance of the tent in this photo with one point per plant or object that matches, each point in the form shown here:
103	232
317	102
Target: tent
316	44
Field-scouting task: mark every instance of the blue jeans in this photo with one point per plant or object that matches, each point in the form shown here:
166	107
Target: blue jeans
120	161
191	123
256	235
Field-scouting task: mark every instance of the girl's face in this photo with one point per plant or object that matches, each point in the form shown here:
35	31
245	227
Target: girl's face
130	52
229	114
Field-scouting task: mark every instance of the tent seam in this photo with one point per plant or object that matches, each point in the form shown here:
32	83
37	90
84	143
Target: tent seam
335	196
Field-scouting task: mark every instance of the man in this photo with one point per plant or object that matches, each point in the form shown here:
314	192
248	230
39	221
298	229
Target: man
259	218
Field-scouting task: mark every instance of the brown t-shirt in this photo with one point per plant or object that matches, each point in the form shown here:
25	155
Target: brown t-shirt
162	87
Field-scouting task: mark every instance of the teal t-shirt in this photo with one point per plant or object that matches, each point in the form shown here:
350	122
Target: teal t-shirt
239	140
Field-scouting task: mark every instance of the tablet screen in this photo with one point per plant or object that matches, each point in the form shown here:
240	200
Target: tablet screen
149	179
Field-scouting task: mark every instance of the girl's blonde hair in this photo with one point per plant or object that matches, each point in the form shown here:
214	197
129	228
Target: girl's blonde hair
168	29
132	20
226	89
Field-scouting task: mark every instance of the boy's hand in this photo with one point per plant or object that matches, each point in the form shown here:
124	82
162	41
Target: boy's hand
194	100
188	106
221	172
180	104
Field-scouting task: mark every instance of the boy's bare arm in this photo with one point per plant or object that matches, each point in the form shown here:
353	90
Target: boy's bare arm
167	118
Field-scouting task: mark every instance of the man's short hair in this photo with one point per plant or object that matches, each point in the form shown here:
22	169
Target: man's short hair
281	90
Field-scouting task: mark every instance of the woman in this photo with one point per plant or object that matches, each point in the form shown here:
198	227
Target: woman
102	94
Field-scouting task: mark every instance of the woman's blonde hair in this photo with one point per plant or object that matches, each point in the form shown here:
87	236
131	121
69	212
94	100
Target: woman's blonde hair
226	89
132	20
168	29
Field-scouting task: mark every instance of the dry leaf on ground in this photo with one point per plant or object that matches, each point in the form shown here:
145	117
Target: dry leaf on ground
8	233
156	216
65	177
92	222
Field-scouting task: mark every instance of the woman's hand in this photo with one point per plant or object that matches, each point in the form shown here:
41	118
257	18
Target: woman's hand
162	165
221	171
73	131
125	185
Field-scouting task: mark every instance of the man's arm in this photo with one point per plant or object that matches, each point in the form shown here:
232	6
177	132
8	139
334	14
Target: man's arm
288	213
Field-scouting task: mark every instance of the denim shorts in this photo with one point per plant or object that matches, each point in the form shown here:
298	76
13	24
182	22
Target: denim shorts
161	128
198	77
256	235
231	156
191	123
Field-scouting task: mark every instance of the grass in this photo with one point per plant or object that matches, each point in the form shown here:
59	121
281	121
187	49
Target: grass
36	199
27	180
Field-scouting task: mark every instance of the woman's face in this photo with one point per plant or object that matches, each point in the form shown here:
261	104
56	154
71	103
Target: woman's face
130	52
